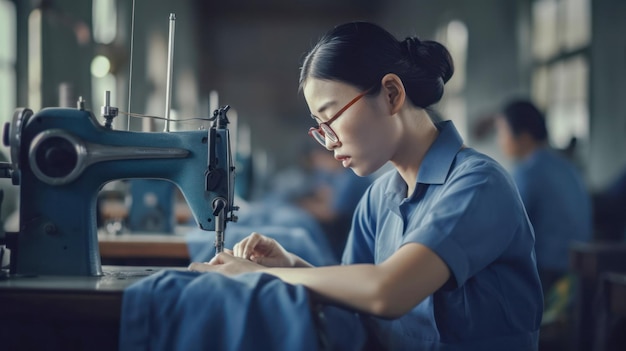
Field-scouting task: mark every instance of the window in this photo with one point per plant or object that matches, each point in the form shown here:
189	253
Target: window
8	49
561	32
104	15
453	105
104	18
34	60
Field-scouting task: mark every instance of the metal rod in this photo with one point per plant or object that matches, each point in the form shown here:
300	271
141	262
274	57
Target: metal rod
168	88
130	65
219	211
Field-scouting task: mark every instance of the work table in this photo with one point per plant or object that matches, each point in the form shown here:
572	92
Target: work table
64	312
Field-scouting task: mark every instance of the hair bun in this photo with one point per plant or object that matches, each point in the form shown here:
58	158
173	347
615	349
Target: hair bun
431	55
411	45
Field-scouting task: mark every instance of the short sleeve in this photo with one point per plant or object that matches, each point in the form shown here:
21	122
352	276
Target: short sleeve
523	182
473	221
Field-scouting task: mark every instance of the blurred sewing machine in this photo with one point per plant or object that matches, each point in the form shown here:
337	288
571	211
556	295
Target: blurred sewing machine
61	157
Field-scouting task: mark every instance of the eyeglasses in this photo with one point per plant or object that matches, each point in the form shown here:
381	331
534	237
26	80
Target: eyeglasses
324	131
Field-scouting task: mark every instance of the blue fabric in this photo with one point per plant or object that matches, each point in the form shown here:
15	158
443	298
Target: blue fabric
466	209
181	310
558	205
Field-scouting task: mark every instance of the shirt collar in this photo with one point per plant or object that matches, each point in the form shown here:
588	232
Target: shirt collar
438	159
436	164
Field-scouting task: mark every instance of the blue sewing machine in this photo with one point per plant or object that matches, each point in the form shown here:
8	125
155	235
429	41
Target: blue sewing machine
61	158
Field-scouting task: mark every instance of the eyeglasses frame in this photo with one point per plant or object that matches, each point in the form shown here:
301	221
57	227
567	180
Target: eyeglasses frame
319	129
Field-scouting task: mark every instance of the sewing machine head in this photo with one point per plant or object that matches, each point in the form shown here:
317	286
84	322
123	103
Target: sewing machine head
61	158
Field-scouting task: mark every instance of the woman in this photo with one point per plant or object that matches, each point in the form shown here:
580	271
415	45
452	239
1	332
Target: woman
440	253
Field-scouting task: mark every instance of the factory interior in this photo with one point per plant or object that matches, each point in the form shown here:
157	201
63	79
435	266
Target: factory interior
178	128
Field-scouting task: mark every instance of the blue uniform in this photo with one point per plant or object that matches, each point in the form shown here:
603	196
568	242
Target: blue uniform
466	209
558	205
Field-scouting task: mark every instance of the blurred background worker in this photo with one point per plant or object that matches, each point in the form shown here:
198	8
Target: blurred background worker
552	189
318	184
335	193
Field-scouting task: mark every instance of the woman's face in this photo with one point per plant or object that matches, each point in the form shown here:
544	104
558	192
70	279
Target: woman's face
366	139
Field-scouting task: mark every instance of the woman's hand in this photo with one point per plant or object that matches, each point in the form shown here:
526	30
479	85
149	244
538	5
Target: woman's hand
227	264
263	250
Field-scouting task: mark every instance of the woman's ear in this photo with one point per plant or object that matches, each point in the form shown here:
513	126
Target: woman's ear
394	92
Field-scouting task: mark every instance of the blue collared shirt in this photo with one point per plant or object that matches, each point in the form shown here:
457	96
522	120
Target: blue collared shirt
558	205
466	209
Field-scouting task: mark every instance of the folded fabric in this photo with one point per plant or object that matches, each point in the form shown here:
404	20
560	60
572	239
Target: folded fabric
182	310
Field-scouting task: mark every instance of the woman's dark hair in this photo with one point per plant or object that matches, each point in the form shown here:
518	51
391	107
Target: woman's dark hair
523	116
362	53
